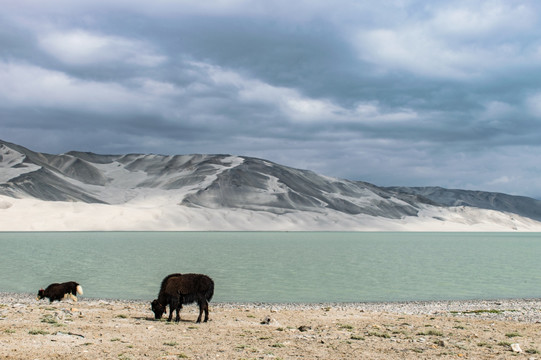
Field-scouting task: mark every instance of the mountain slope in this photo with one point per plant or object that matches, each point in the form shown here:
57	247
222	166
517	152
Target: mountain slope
210	181
520	205
215	188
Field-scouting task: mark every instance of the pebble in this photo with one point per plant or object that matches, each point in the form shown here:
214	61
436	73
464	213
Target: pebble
516	348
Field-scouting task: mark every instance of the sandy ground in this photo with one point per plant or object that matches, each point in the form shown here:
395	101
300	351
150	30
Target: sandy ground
111	329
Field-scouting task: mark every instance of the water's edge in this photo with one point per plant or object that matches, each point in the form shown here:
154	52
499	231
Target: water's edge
522	310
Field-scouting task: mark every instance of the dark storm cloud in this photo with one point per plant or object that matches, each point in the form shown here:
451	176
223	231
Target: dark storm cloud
394	92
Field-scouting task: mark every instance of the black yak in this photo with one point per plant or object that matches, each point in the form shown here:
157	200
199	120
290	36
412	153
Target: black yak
60	291
178	289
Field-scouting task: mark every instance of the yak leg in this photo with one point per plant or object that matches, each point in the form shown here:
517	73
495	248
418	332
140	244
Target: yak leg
203	306
172	307
177	308
206	311
200	303
73	295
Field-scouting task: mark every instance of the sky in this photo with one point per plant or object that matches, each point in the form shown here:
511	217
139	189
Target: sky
391	92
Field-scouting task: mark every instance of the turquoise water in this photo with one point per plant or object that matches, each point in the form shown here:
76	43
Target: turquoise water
280	266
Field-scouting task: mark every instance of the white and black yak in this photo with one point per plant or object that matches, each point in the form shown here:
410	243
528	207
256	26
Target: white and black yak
60	291
178	289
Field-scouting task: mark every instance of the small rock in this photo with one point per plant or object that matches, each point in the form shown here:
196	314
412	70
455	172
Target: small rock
60	333
516	348
440	343
269	321
304	328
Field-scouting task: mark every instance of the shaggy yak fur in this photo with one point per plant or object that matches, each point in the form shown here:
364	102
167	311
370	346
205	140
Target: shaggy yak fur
59	291
178	289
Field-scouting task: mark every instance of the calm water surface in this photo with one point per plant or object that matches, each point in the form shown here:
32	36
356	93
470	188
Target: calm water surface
280	266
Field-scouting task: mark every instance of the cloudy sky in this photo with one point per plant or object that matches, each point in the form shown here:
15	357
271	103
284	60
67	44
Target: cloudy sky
393	92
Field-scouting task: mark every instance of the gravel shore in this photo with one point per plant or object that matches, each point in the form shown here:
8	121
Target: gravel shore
125	329
522	310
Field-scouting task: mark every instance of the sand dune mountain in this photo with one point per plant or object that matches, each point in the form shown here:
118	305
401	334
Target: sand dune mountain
229	190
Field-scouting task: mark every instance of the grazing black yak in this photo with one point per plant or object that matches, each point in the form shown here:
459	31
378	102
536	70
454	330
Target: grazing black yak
60	291
178	289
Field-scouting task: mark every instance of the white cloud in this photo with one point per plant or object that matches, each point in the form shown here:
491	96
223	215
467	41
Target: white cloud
501	180
294	105
78	47
456	41
414	50
533	104
478	19
28	85
158	88
496	110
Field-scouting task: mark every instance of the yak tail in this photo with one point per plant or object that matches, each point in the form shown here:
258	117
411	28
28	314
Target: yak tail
210	291
79	290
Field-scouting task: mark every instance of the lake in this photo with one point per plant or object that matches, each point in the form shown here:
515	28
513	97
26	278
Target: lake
280	266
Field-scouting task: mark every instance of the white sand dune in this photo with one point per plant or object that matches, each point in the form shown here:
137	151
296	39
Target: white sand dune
162	214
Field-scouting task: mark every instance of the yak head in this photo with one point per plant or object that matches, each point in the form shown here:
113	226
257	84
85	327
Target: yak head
158	309
41	294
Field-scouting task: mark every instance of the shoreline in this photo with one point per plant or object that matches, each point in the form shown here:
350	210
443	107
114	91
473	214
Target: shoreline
126	329
521	310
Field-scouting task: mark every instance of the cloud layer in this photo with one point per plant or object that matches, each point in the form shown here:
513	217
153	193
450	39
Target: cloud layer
395	92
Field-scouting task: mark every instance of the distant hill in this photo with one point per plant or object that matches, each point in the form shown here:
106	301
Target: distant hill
227	186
